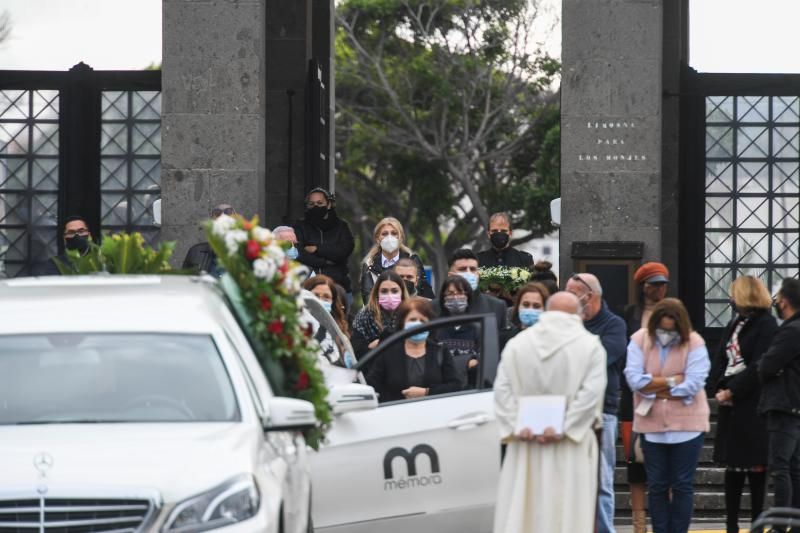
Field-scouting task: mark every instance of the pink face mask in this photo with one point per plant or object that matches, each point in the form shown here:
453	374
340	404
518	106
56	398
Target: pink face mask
389	302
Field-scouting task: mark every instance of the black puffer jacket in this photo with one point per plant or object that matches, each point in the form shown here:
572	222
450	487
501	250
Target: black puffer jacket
371	271
334	243
779	370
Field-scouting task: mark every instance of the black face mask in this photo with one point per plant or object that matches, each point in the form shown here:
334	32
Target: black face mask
499	240
78	242
777	310
410	287
316	214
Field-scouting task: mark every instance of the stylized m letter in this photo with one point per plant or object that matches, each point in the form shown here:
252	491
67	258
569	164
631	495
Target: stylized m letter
411	459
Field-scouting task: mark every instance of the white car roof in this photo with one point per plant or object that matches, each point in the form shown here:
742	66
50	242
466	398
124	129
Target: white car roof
98	303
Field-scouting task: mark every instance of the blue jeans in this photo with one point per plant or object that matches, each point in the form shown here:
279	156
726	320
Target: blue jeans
608	460
670	471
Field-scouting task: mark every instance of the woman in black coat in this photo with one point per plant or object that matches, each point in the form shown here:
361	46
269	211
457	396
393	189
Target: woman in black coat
741	441
419	366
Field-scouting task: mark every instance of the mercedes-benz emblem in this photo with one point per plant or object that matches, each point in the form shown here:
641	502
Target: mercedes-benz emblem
43	462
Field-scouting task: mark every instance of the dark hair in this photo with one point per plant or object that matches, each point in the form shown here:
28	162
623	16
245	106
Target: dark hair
372	304
338	304
461	284
674	309
328	196
536	287
464	253
542	271
74	218
407	262
421	305
790	291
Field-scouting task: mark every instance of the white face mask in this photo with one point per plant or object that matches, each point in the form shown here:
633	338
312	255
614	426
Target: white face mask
390	244
666	337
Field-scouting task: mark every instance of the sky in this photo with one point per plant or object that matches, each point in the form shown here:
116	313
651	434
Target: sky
726	35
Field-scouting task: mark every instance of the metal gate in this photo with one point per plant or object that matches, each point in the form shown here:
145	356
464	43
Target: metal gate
740	191
81	142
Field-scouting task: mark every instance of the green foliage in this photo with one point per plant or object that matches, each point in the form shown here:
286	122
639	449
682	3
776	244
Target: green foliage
264	286
120	253
444	116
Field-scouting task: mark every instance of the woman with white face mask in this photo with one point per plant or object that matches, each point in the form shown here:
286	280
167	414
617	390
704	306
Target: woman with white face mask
388	249
666	368
419	367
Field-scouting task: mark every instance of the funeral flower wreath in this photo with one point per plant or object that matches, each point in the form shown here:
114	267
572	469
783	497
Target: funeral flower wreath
269	286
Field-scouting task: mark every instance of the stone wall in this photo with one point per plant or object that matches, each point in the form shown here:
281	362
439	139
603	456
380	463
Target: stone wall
612	115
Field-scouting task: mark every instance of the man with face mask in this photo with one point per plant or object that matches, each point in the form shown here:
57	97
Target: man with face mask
324	241
76	237
501	253
408	269
286	233
599	320
200	257
779	372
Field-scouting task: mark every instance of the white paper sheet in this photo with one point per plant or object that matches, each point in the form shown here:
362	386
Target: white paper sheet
539	412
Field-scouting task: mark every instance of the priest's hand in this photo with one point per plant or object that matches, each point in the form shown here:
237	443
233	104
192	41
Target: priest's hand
549	436
526	434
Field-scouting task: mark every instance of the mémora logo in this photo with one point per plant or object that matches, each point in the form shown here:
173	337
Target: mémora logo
412	479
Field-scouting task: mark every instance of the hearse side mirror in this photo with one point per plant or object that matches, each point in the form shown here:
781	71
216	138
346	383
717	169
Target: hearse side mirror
352	397
289	414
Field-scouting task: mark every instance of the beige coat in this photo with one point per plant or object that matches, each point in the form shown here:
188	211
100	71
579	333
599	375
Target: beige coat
551	487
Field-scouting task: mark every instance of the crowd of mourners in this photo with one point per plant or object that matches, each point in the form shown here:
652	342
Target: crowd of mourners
653	394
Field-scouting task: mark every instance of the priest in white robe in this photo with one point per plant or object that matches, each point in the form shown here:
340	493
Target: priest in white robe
548	482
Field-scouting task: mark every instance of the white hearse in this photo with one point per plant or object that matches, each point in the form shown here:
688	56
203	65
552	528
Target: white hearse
429	465
135	404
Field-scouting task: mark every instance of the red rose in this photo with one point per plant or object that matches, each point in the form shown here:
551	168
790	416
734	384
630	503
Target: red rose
276	327
284	268
252	250
302	381
289	341
266	304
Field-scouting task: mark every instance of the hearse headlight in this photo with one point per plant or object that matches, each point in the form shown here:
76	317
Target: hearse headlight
234	501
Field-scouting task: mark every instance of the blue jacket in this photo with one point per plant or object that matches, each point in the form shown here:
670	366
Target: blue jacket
613	334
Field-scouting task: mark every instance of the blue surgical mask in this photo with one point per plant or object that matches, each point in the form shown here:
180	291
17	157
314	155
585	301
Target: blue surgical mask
420	337
471	278
328	306
292	253
529	317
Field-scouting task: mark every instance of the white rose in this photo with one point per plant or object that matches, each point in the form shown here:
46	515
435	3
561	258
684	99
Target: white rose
261	234
233	239
222	225
264	269
275	252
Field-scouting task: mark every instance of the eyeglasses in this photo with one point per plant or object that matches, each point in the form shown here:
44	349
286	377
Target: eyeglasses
83	232
219	212
577	277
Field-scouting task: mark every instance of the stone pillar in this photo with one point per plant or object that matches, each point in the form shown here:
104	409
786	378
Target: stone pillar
611	124
213	113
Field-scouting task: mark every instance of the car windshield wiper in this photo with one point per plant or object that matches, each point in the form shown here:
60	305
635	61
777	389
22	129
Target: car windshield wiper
68	421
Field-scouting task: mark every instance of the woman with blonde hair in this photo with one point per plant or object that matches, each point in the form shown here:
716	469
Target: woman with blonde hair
389	248
740	445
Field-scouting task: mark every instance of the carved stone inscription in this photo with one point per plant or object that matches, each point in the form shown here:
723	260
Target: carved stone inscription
612	140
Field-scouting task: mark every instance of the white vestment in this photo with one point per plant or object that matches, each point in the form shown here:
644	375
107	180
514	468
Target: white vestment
551	488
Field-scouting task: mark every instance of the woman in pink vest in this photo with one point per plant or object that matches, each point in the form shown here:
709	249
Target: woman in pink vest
666	369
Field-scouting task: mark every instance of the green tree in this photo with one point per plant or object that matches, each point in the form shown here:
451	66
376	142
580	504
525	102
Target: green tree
444	115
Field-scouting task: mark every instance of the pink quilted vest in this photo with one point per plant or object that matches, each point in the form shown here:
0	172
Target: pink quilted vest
670	415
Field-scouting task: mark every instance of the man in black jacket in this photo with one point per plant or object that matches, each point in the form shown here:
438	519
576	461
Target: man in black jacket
501	253
324	240
76	237
779	371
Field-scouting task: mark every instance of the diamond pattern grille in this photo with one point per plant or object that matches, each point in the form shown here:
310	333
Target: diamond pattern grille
752	207
130	154
28	178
